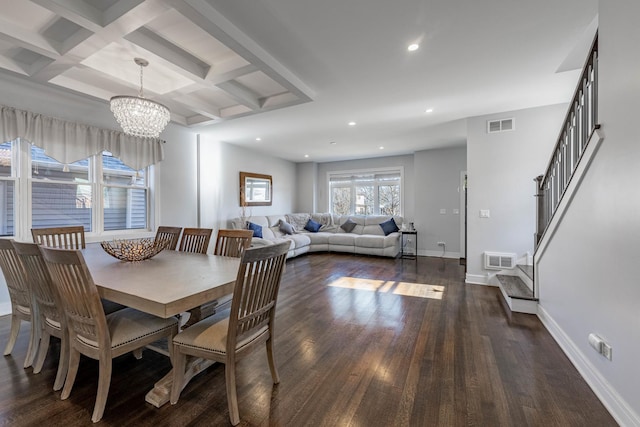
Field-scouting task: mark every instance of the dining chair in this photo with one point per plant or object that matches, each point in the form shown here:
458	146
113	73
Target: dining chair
195	240
229	243
51	319
93	334
250	322
22	306
71	237
171	234
232	242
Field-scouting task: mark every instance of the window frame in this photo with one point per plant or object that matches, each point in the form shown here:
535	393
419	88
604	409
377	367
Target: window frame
353	183
21	172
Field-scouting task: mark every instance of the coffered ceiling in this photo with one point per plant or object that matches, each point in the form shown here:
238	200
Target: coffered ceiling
201	66
286	77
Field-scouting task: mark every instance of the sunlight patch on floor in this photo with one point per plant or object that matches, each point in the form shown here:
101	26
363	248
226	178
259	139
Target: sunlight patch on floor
420	290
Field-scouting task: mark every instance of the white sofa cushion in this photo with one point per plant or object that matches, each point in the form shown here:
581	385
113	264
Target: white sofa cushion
345	239
367	236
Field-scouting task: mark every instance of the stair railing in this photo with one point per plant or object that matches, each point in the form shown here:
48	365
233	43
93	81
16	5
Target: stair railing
579	124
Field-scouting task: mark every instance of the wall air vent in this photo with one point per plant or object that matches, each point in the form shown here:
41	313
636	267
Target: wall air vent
502	125
499	261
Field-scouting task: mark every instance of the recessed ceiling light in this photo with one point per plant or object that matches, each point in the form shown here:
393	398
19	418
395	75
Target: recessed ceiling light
413	47
429	110
381	147
333	143
306	155
351	123
258	139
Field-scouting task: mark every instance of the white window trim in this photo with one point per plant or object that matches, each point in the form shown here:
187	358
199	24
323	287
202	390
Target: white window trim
367	171
21	174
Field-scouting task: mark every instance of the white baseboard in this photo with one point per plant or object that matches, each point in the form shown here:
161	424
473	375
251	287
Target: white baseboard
439	254
477	279
5	308
615	404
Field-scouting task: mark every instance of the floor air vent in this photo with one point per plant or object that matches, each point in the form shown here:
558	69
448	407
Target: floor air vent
501	125
499	261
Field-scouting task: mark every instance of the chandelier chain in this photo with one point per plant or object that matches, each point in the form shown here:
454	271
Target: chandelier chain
141	89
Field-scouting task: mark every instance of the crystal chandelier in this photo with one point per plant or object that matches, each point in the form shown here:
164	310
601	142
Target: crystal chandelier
137	115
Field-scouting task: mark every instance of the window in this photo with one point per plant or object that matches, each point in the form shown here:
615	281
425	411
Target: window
60	194
366	192
125	195
7	189
55	194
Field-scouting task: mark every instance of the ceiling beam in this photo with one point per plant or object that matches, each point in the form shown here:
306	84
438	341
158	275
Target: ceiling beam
156	44
242	94
202	14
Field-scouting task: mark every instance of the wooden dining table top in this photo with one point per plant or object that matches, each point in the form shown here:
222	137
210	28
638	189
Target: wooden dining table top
167	284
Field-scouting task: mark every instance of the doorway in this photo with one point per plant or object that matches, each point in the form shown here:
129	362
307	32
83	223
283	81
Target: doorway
463	219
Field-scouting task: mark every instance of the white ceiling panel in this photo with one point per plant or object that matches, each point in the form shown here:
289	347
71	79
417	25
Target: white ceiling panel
295	72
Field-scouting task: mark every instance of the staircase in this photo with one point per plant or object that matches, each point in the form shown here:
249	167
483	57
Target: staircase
517	290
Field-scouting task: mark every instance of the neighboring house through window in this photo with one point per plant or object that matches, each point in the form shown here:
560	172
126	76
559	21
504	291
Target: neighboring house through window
54	194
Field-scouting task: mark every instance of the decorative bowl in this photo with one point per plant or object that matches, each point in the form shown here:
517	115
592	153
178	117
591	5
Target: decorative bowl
134	250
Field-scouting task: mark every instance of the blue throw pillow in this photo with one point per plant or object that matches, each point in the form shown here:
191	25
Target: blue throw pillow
312	226
257	229
389	227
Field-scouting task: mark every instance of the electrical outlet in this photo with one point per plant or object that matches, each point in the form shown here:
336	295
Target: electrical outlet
441	243
607	351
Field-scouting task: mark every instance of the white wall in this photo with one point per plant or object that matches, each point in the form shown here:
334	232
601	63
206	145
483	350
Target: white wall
500	169
177	175
588	276
406	162
307	187
220	166
437	186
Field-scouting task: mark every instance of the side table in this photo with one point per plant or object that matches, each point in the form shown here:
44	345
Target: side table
405	236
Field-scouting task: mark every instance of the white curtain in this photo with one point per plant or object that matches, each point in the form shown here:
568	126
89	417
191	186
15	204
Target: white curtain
68	142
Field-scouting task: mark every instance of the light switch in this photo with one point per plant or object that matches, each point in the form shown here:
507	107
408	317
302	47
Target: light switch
485	213
456	211
443	211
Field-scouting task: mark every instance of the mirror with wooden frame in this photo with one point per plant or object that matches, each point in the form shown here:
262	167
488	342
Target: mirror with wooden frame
255	189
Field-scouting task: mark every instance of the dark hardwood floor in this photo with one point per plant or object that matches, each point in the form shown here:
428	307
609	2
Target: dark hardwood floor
361	341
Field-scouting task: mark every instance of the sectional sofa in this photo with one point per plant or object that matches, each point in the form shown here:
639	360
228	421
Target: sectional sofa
336	233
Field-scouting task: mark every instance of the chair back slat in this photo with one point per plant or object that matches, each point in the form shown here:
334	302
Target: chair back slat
79	295
256	291
14	274
232	243
40	280
71	237
171	234
195	240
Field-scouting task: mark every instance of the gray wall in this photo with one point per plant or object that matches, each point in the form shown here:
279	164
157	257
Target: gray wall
437	186
587	276
501	168
221	164
431	183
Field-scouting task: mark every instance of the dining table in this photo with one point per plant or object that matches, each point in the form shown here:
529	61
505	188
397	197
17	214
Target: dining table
166	285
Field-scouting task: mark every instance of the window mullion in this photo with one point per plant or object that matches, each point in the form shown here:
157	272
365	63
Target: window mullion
97	185
23	191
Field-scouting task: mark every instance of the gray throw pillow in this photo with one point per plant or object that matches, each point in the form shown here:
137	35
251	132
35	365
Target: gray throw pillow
348	226
285	227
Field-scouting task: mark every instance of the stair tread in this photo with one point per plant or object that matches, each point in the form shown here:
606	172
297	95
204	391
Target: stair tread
527	269
515	287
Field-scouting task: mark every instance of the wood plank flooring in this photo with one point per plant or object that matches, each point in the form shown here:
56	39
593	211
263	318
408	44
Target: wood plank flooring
361	341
